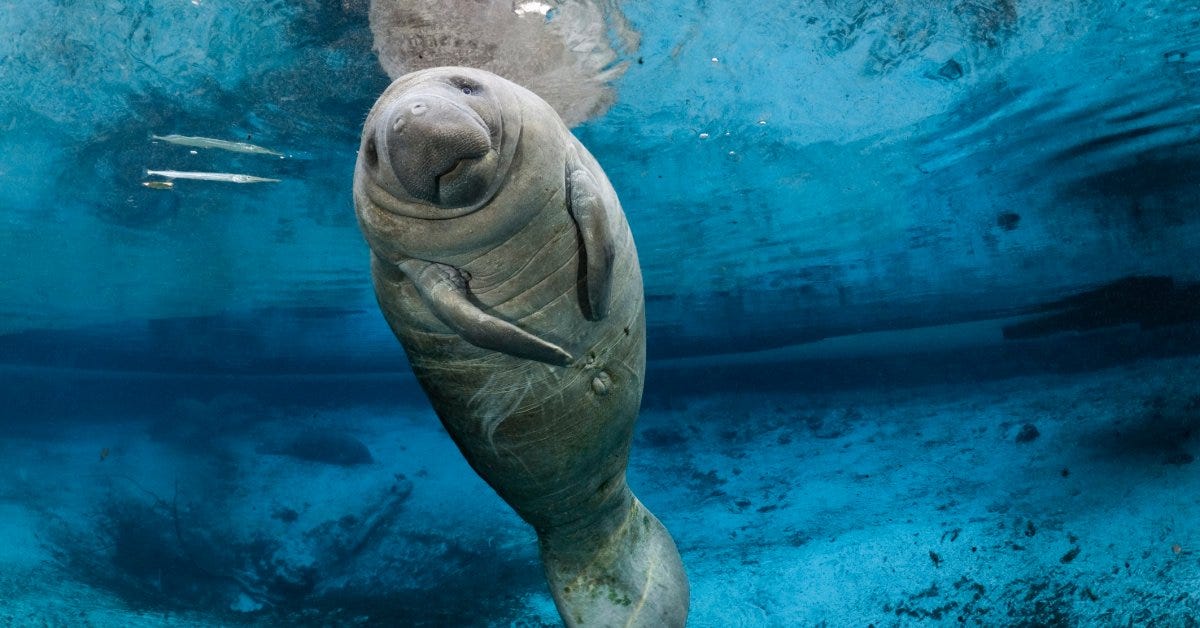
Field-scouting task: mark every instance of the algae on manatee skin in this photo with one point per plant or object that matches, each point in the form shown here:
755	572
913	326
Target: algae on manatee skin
621	600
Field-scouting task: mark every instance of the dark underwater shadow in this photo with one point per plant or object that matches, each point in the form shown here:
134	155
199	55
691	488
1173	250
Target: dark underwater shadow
486	587
1164	430
174	554
1147	301
275	516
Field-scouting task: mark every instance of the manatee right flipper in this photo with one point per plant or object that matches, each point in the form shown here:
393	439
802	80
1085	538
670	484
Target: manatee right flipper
444	290
591	218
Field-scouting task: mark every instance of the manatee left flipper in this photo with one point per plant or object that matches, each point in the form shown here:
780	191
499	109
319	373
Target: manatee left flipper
592	219
444	290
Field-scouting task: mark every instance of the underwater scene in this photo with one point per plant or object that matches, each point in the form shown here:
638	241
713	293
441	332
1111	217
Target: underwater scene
599	313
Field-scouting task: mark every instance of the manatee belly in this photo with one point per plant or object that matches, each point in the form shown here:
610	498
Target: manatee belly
552	441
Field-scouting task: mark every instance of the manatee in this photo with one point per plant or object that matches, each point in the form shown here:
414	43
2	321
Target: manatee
503	263
568	52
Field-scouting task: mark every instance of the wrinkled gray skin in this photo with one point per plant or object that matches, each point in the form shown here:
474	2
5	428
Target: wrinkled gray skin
503	263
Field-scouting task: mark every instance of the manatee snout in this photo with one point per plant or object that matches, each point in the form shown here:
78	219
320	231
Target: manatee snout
436	148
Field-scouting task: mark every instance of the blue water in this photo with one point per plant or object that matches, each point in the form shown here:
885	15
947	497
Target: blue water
922	289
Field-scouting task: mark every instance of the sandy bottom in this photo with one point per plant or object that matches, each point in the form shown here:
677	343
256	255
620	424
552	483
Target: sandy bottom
1048	500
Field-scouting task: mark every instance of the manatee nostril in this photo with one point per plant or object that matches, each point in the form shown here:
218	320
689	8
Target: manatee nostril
397	124
418	108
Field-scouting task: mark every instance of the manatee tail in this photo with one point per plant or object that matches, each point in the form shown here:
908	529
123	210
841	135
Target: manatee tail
622	570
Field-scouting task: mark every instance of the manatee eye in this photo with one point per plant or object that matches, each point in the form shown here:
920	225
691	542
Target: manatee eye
466	85
371	154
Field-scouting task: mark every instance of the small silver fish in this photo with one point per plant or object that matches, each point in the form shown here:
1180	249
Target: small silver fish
210	176
159	185
208	142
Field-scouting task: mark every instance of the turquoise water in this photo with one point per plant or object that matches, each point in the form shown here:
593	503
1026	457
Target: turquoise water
878	241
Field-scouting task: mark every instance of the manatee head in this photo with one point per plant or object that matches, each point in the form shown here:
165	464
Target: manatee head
454	161
438	143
